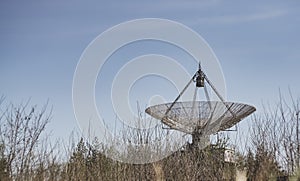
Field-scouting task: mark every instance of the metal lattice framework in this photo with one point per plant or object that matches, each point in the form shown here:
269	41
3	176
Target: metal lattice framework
192	116
200	117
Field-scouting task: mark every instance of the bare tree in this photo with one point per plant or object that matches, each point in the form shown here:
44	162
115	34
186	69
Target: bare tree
21	127
275	135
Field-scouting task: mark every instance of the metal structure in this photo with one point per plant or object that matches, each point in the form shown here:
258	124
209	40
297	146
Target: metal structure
200	118
189	117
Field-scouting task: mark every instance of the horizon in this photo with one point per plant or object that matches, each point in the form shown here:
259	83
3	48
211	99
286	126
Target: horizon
41	43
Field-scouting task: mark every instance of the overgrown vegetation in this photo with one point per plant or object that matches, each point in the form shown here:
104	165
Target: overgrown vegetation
275	146
25	154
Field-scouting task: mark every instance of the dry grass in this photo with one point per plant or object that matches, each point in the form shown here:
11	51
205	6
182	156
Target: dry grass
24	155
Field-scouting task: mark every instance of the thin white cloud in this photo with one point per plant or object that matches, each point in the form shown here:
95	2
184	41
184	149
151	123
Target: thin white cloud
243	18
167	7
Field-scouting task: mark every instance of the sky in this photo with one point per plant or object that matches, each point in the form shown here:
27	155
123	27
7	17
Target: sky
256	42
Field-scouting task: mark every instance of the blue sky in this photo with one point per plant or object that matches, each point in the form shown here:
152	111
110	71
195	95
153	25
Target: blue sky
257	44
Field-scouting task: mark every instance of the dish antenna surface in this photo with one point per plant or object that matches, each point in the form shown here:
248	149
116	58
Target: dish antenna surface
200	118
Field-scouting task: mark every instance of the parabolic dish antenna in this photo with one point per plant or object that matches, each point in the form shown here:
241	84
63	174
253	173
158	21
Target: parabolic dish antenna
188	117
200	118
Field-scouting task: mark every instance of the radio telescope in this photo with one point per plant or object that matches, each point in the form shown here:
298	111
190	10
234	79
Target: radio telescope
200	118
